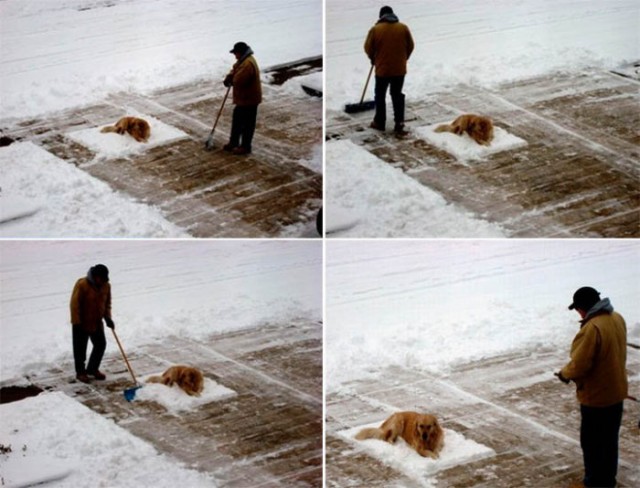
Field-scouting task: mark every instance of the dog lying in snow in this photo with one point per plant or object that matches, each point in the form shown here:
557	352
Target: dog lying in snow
479	128
188	378
138	128
422	432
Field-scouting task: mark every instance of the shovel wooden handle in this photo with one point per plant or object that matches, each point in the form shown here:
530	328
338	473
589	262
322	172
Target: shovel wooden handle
124	356
366	85
215	124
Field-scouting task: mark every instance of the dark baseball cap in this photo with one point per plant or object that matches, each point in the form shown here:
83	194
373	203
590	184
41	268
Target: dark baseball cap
100	270
584	298
239	47
385	10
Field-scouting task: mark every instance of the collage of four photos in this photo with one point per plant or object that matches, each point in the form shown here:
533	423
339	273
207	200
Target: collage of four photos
319	243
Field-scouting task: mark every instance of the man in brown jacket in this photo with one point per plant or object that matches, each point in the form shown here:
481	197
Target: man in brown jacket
598	368
90	303
389	45
247	95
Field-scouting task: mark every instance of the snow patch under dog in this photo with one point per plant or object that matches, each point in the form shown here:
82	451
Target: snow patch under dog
175	400
111	145
464	148
399	456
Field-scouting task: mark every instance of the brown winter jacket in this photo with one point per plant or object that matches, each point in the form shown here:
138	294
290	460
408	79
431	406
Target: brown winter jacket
247	88
389	45
598	361
89	305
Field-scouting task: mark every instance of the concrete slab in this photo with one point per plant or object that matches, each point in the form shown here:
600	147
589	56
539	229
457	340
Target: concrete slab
579	175
510	403
269	435
209	194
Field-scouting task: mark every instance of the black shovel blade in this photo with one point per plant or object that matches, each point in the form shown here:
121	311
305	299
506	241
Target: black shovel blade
354	108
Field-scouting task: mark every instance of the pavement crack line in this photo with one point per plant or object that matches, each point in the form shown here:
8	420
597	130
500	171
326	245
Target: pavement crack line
256	372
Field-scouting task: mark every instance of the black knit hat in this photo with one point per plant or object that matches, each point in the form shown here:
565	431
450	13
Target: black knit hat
584	298
100	270
240	48
385	10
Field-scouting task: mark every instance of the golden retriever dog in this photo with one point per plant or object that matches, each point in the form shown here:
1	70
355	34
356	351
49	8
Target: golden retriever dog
138	128
422	432
479	128
188	378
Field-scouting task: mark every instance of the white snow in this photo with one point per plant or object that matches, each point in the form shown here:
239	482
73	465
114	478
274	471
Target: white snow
160	288
99	452
112	145
388	203
77	205
400	456
175	400
429	305
66	53
481	43
464	148
15	207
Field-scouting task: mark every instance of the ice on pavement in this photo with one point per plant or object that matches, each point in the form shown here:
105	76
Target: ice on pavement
388	203
77	205
98	451
175	400
464	148
400	456
111	145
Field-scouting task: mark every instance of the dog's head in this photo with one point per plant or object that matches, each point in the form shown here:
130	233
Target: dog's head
192	380
428	429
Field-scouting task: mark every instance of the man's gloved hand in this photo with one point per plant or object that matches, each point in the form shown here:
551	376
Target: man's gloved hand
562	378
110	323
228	80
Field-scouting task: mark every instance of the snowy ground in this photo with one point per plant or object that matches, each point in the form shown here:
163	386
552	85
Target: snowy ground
52	434
76	53
385	203
71	203
160	288
479	45
62	54
388	302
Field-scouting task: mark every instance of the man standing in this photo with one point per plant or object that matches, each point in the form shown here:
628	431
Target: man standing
247	95
389	45
90	303
598	368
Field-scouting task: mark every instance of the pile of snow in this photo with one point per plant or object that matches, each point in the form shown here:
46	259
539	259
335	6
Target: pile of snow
65	53
160	288
13	207
112	145
480	43
60	436
175	400
388	203
400	456
464	148
77	205
430	305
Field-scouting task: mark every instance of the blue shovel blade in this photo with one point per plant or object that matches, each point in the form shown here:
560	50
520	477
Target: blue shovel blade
130	393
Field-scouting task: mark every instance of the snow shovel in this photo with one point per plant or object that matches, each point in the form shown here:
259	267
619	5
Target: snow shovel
129	393
209	144
354	108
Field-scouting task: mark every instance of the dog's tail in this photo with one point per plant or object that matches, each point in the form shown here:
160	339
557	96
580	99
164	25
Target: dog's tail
155	379
109	128
370	433
444	128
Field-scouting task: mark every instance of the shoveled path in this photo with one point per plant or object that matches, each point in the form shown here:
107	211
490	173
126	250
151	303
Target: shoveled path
512	404
269	435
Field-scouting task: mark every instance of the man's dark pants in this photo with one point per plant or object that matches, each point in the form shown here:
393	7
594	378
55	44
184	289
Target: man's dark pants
243	126
80	340
395	84
599	441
